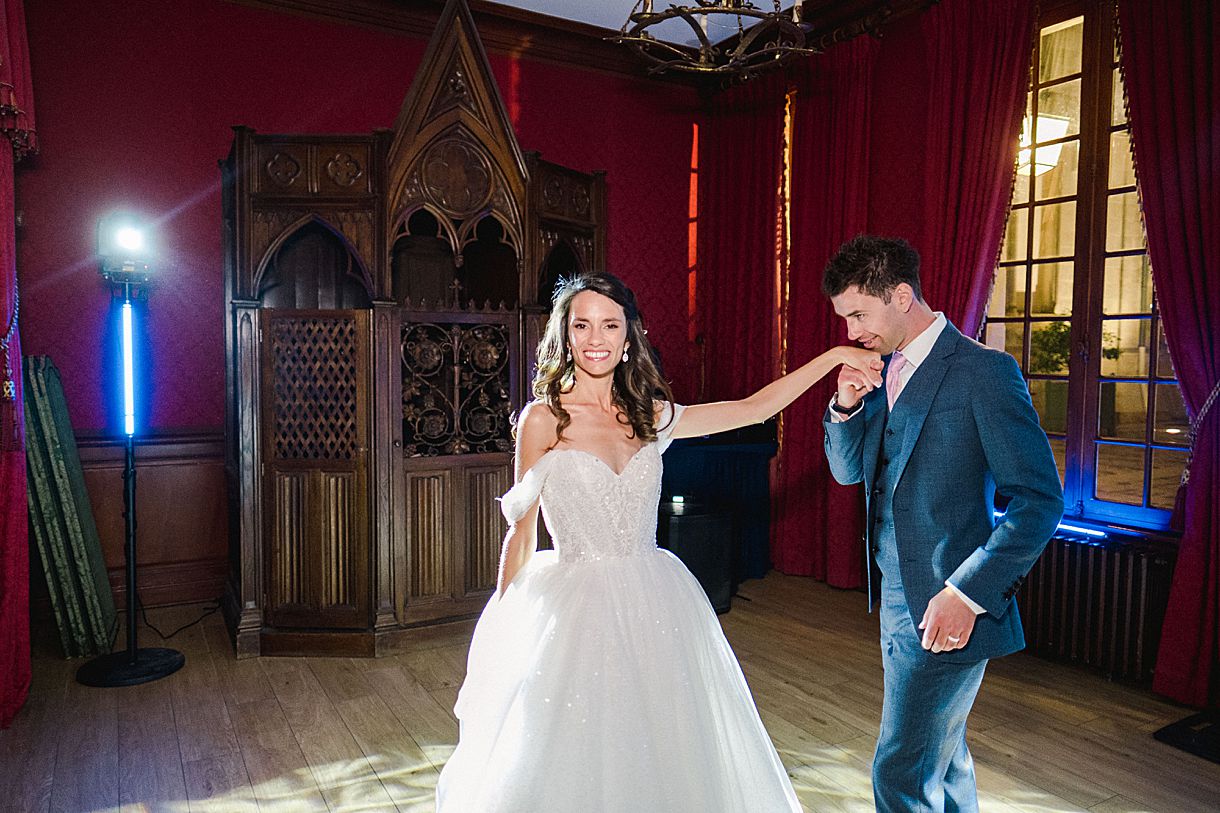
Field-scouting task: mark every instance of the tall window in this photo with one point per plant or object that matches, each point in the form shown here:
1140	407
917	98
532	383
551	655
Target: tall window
1073	298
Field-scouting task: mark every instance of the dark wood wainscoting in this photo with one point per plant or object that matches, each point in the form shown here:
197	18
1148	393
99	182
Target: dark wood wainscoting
182	535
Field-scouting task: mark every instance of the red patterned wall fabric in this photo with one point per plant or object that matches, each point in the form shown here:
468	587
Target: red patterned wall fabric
639	132
146	132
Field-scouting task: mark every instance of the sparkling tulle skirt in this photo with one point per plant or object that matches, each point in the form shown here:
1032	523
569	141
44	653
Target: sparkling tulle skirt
607	686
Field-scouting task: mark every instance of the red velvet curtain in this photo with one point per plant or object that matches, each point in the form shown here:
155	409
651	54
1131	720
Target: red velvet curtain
965	124
978	72
1172	75
17	123
815	521
740	237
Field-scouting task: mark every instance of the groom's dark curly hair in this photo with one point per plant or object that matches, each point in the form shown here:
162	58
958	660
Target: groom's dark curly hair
875	265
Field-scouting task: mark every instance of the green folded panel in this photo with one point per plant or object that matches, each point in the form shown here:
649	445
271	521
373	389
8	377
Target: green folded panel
61	518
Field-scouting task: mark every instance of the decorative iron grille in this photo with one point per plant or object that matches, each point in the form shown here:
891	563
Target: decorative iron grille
455	389
314	377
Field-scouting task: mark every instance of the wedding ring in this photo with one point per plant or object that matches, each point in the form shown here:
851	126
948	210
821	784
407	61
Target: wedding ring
953	640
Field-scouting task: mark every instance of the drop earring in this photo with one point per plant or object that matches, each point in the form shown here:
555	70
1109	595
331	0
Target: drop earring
625	356
568	358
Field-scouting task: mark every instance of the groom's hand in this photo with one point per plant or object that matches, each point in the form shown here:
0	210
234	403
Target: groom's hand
947	623
852	386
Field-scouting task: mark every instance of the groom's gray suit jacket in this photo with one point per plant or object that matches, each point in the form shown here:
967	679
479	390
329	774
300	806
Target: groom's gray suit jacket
969	429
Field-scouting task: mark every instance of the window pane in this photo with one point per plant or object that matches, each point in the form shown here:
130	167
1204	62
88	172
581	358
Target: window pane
1120	474
1166	475
1052	289
1015	237
1058	112
1050	400
1008	293
1170	423
1055	230
1125	345
1060	49
1020	190
1128	286
1123	411
1007	336
1123	227
1050	347
1053	162
1164	364
1059	450
1118	111
1055	169
1122	170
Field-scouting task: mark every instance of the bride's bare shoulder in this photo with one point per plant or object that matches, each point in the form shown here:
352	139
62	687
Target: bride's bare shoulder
660	411
536	421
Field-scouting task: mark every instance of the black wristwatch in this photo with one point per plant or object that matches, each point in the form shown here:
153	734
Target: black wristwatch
846	412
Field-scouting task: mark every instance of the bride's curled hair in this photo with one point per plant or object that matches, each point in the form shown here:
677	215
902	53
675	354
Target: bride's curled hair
637	381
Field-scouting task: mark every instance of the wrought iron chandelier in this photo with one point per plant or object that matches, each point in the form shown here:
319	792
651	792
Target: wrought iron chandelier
763	39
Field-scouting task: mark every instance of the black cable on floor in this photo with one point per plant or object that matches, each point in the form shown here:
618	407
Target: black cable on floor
164	637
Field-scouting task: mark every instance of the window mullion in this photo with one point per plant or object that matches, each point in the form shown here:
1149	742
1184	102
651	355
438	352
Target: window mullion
1095	135
1086	306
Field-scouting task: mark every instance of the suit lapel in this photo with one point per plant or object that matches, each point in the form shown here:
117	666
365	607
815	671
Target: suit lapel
917	396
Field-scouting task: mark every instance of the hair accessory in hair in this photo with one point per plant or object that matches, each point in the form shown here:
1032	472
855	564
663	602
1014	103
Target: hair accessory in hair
561	283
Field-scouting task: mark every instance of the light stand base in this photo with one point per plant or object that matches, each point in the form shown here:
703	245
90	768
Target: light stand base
117	668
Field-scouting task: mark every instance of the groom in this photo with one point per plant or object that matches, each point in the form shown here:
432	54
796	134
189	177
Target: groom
952	425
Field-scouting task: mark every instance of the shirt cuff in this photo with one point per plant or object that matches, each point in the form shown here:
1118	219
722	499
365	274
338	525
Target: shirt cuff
972	605
839	417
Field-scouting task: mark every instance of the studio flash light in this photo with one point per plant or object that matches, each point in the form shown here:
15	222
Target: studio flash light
125	250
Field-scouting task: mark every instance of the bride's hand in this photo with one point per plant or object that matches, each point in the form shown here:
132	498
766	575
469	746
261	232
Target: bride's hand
867	362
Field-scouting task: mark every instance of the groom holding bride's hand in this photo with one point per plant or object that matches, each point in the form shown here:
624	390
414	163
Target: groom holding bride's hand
951	425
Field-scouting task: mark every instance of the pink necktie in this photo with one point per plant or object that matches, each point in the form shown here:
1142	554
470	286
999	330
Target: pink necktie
893	376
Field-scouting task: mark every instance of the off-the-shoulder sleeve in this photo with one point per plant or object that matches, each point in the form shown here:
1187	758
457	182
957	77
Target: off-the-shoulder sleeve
670	415
518	499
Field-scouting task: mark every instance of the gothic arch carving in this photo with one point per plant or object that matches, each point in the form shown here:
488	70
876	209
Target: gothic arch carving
562	259
466	234
459	179
453	145
280	227
399	227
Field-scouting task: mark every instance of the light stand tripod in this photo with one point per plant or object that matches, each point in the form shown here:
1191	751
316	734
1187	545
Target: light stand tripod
135	665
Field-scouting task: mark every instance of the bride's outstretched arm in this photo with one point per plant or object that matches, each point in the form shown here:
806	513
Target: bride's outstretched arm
707	419
534	432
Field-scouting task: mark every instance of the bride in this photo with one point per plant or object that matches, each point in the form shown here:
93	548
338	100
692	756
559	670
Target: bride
598	677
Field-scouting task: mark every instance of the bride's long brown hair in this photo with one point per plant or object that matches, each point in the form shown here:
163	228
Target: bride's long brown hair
637	381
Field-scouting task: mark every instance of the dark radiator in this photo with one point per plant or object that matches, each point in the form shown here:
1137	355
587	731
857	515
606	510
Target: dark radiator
1099	602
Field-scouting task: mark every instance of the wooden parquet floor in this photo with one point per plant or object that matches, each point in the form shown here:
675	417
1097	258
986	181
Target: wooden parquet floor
315	734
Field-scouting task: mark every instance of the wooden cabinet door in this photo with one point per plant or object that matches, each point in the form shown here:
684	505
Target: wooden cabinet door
315	405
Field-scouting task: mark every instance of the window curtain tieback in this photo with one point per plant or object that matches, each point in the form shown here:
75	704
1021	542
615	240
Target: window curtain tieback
10	432
1195	423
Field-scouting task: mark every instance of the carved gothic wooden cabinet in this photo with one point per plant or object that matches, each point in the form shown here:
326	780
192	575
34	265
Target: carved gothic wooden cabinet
384	295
